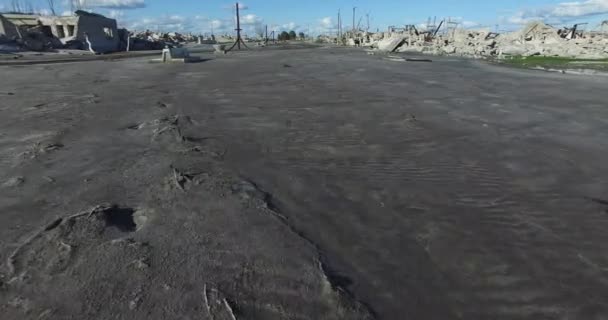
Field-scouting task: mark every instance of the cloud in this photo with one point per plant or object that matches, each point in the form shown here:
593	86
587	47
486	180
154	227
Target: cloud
470	24
116	14
560	12
290	26
165	23
218	24
178	23
327	23
242	6
250	19
113	4
44	12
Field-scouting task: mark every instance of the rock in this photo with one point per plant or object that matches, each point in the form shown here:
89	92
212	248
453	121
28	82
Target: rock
414	49
14	182
513	50
449	49
532	53
390	44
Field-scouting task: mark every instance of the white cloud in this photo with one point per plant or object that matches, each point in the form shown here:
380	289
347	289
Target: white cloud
178	23
116	14
217	24
326	23
242	6
44	12
470	24
561	12
165	23
250	19
290	26
112	4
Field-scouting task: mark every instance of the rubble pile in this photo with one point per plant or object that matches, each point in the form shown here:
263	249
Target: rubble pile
148	40
536	38
32	39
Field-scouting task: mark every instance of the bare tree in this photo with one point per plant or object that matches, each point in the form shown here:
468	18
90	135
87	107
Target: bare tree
16	5
29	8
259	30
51	4
22	6
79	4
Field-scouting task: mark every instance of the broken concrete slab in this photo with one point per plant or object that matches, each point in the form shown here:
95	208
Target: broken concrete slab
390	44
182	55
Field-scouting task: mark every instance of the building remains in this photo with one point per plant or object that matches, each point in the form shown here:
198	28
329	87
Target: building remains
83	30
535	38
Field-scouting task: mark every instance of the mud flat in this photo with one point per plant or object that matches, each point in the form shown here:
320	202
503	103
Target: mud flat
302	184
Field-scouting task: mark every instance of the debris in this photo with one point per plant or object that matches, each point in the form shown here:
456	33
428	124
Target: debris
219	48
41	33
536	38
179	179
217	305
14	182
148	40
418	60
176	55
49	179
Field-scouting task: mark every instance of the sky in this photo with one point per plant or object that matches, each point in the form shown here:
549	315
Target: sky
320	16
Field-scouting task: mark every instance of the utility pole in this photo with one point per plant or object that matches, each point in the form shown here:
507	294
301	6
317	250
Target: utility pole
339	25
354	11
367	15
238	29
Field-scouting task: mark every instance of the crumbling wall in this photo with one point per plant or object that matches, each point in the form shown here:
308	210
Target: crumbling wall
7	29
101	31
536	38
63	28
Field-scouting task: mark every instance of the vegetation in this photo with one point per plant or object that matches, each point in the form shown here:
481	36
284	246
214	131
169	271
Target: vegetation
557	62
291	35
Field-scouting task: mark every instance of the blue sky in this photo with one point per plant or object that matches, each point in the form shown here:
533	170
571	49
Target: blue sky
320	16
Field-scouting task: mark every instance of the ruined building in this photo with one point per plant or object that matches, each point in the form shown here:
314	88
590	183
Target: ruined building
102	32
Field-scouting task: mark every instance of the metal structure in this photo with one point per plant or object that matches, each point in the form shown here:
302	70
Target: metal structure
238	29
267	37
354	14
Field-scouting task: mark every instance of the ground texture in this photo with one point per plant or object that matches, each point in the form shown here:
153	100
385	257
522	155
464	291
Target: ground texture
302	184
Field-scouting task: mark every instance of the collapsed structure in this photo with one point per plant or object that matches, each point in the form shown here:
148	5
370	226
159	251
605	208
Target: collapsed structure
149	40
83	30
536	38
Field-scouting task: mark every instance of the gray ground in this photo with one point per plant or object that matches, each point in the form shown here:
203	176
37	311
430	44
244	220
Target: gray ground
302	184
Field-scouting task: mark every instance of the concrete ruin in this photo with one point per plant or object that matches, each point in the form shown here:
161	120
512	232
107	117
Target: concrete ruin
536	38
83	30
7	29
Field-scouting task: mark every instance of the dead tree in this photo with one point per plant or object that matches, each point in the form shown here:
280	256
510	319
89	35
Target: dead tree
76	5
51	4
16	6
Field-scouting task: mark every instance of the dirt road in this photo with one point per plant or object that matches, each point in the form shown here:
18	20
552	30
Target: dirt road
302	184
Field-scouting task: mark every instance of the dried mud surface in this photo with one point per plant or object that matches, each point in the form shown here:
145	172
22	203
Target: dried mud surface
302	184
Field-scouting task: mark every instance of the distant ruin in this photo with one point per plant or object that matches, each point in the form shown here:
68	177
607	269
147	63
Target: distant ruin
535	38
39	32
